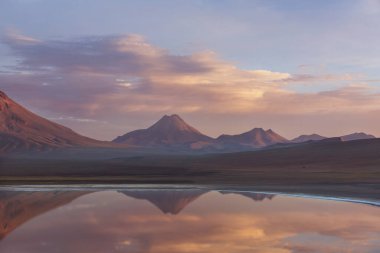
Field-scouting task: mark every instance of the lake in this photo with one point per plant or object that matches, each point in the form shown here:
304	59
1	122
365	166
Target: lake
87	220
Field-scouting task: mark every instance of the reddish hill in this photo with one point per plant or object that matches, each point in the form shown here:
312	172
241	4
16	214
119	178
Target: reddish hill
22	130
168	131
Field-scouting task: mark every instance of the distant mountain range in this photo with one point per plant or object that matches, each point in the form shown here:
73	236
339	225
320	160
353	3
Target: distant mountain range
357	136
173	131
305	138
256	138
22	130
349	137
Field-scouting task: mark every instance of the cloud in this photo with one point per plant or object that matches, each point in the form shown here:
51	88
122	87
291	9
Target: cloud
312	78
352	99
76	119
14	36
109	78
97	68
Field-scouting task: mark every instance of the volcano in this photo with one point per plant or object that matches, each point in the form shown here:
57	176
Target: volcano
168	131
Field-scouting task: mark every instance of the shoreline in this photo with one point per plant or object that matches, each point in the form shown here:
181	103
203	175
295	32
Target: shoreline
218	188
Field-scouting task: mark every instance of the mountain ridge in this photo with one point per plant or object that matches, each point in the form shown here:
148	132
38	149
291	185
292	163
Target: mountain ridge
308	137
347	137
255	138
357	136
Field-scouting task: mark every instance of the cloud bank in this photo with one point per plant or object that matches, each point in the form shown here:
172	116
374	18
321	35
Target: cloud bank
107	78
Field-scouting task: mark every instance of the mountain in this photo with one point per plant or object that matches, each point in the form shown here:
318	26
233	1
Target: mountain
317	137
168	201
256	138
22	130
357	136
168	131
310	137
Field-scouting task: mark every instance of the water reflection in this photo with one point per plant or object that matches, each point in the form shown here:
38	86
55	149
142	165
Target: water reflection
252	195
126	221
168	201
19	207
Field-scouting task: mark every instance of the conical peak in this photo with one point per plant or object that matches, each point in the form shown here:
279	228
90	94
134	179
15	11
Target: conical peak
169	130
171	123
257	130
173	117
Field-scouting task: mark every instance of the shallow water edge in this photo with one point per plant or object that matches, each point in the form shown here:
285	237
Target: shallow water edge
224	189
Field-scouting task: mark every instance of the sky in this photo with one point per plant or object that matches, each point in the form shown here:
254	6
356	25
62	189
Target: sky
104	68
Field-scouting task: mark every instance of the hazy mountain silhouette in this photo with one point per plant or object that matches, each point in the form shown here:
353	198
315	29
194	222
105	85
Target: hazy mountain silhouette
256	138
168	201
21	129
317	137
309	137
357	136
19	207
168	131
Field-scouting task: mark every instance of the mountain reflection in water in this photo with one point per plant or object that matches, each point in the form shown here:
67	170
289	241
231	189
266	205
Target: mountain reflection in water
195	221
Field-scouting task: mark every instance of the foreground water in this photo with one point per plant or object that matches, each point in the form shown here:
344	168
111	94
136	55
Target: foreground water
182	220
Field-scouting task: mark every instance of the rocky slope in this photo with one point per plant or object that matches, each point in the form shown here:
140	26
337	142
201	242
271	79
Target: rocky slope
22	130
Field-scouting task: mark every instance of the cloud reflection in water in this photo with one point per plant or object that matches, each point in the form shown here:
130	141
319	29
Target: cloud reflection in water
204	222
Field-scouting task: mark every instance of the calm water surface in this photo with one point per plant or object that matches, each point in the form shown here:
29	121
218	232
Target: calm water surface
165	221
